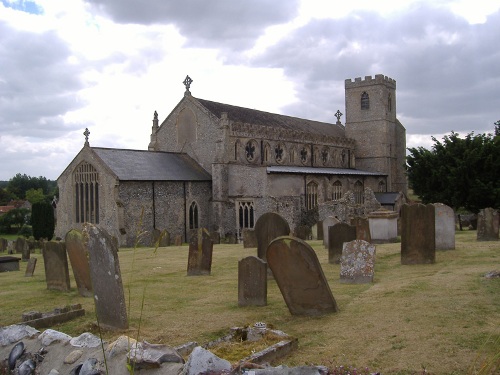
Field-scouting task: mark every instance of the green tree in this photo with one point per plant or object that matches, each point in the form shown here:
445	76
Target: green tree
5	197
42	220
35	196
21	183
459	172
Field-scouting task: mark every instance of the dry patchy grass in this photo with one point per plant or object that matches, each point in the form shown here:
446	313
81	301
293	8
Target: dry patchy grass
443	317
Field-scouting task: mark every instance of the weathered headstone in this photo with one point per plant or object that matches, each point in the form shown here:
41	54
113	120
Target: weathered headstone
383	226
418	234
56	266
487	224
26	252
328	222
268	227
161	238
319	228
3	244
299	276
106	278
178	240
357	264
445	227
362	228
200	253
21	246
252	282
30	267
249	238
79	259
337	235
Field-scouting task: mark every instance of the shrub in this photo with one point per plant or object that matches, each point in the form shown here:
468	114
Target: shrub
42	220
25	231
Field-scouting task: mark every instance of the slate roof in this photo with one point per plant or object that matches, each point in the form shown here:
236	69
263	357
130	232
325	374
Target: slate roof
253	116
315	170
139	165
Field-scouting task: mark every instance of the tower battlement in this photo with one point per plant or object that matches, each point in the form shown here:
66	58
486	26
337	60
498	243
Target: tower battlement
379	78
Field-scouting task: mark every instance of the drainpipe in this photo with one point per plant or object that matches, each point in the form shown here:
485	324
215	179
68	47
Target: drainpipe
185	208
154	206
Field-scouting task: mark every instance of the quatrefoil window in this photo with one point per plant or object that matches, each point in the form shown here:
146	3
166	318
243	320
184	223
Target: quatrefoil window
278	153
303	155
250	150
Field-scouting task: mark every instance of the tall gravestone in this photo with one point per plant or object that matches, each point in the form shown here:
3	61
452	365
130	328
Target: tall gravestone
418	234
330	221
357	264
362	228
319	228
79	259
200	253
252	282
487	224
56	266
337	235
106	278
268	227
299	276
445	227
3	244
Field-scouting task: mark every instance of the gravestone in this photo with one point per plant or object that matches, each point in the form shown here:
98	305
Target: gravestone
3	244
303	232
383	226
79	259
26	252
328	222
362	228
487	224
268	227
200	253
21	246
337	235
56	266
319	228
249	238
418	234
252	282
161	238
178	240
357	264
30	267
106	278
445	227
300	277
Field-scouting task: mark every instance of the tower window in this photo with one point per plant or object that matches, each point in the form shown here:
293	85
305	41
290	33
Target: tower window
365	101
389	103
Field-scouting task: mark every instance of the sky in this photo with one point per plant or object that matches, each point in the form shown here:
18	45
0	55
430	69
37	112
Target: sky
107	65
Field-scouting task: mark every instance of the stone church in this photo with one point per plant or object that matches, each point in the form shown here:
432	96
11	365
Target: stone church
220	166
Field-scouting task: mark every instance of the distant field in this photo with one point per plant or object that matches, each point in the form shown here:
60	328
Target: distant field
442	317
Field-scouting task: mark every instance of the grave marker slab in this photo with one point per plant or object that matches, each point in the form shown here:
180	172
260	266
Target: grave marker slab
56	266
79	259
252	282
362	228
445	227
30	267
268	227
200	253
328	222
300	277
357	264
418	234
487	224
337	235
106	278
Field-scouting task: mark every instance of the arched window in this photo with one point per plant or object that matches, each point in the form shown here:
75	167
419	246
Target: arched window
365	100
312	195
381	187
86	185
389	103
358	192
337	190
279	153
193	216
246	215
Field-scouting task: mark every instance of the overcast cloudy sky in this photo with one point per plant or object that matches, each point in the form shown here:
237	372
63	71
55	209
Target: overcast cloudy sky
107	65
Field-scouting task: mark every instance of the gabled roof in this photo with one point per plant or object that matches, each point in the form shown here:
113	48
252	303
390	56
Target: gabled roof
327	171
139	165
255	117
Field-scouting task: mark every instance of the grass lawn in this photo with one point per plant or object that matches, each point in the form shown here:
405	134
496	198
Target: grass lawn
444	317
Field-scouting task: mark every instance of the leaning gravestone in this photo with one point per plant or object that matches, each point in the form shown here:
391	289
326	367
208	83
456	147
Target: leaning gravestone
79	259
30	267
337	235
56	266
200	253
252	282
445	227
300	277
362	228
357	264
106	278
418	234
487	224
330	221
268	227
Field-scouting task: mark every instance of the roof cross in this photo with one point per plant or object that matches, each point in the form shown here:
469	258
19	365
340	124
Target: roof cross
338	114
187	82
86	133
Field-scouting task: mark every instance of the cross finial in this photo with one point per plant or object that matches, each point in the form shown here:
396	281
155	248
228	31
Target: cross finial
338	114
187	82
86	133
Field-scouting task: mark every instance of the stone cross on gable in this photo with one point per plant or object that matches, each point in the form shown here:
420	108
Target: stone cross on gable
187	82
338	114
86	133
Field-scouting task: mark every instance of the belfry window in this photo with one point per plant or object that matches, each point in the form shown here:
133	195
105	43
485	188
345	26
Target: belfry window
365	101
337	190
312	195
86	190
389	103
193	216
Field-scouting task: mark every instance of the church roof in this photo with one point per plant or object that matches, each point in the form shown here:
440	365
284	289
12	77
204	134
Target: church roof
139	165
329	171
256	117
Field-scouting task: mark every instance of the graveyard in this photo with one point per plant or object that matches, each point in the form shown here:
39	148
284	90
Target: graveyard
438	318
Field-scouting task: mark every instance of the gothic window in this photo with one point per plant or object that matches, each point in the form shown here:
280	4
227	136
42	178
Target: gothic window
86	184
337	190
246	214
365	101
303	155
381	187
389	103
278	153
324	156
343	157
193	216
251	150
312	195
358	192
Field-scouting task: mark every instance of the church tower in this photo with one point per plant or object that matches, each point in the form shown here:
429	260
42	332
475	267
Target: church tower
371	121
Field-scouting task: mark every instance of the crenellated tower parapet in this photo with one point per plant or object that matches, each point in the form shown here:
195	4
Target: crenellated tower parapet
378	79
